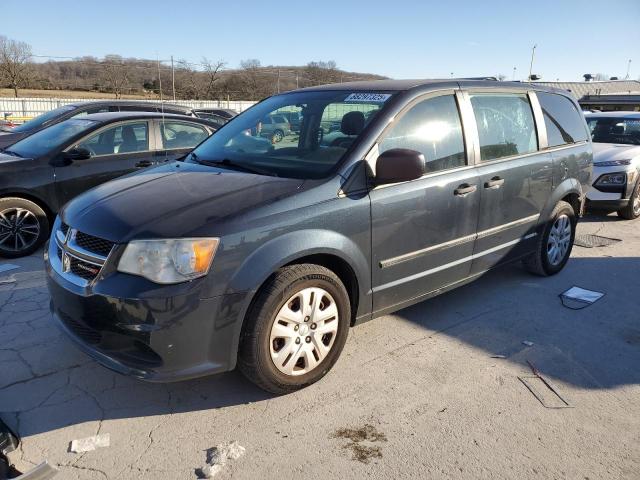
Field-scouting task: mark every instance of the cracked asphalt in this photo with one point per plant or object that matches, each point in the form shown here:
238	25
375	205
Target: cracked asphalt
417	392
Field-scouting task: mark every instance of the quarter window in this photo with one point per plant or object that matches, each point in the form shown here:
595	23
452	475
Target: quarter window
563	121
505	125
127	138
433	128
181	135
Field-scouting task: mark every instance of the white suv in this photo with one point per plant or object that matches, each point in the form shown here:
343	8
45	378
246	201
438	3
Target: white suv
616	162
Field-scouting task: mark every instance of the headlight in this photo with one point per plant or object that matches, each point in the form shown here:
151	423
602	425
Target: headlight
612	179
612	163
169	261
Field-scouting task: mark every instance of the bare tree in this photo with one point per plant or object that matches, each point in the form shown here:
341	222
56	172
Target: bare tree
501	77
253	81
15	63
318	73
115	74
601	76
212	71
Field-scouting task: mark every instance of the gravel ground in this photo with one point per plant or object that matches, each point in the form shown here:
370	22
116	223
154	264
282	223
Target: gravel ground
415	394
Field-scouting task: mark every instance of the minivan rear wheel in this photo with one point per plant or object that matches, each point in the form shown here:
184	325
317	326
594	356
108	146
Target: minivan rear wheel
24	226
295	329
556	242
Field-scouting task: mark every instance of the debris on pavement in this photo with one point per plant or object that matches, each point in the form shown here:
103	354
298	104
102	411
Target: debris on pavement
361	452
90	443
498	356
548	400
217	458
527	343
6	267
577	298
591	241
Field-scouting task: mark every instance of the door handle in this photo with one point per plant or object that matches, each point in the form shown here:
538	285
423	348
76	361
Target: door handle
144	163
494	183
464	190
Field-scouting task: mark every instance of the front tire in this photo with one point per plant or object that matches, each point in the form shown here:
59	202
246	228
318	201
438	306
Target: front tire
277	136
556	242
632	210
295	329
24	226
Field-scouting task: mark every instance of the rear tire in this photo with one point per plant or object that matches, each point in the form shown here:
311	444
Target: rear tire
277	136
286	346
556	242
632	210
24	226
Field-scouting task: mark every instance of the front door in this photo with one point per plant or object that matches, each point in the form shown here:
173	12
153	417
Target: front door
177	138
423	231
515	177
116	150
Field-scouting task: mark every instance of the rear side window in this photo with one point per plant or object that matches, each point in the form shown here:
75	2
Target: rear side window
563	121
505	125
181	135
432	127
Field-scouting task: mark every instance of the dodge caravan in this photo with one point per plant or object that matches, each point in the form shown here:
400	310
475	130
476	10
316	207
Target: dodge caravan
262	255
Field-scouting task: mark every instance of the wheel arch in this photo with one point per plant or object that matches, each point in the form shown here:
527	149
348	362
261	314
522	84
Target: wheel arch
570	191
32	198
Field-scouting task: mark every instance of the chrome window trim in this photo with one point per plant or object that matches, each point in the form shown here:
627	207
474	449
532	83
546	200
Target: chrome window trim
459	241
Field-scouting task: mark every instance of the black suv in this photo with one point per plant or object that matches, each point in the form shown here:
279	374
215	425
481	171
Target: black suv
9	136
262	255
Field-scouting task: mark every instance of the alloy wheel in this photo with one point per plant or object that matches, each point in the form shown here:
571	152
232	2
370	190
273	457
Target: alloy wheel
636	203
559	240
304	331
19	229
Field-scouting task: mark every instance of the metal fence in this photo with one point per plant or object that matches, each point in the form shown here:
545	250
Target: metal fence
23	109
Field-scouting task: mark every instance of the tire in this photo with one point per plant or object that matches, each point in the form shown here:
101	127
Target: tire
277	136
31	231
632	210
280	357
544	262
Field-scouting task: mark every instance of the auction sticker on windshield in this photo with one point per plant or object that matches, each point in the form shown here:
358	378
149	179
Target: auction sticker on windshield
367	97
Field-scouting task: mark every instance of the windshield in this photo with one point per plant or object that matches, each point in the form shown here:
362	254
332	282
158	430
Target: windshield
263	139
41	120
614	130
55	136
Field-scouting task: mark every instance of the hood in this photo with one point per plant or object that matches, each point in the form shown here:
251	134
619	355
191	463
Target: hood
174	200
6	160
614	151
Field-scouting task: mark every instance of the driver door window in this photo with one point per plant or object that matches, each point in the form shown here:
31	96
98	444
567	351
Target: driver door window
128	138
433	128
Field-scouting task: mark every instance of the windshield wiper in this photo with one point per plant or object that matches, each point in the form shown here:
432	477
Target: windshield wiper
11	152
226	162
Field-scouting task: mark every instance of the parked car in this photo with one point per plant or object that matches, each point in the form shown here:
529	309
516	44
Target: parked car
9	136
274	127
263	258
43	171
616	163
294	119
227	113
212	117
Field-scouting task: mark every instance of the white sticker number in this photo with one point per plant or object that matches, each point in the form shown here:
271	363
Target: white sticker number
368	97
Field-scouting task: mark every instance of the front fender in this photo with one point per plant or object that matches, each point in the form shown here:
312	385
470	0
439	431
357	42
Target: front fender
287	248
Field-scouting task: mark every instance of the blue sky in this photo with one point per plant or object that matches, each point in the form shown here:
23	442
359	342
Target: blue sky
400	38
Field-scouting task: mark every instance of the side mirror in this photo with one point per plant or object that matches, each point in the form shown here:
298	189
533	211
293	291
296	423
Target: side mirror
399	165
77	153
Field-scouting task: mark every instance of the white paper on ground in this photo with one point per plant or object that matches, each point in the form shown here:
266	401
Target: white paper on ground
5	267
90	443
582	295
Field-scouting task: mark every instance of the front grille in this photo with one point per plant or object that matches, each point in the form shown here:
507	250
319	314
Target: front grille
93	244
86	333
82	269
59	252
64	228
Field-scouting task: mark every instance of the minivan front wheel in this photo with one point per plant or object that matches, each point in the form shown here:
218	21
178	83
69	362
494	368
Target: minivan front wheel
296	329
24	226
556	242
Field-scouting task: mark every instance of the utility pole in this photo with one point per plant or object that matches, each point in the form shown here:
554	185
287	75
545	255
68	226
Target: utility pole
513	77
533	52
159	79
278	80
173	79
297	80
626	77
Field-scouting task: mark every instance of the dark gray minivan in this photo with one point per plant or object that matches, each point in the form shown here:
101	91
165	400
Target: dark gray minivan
262	255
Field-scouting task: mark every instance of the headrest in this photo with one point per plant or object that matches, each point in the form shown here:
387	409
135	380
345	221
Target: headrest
352	123
128	135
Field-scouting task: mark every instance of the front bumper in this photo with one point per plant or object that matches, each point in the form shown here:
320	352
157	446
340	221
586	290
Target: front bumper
156	338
